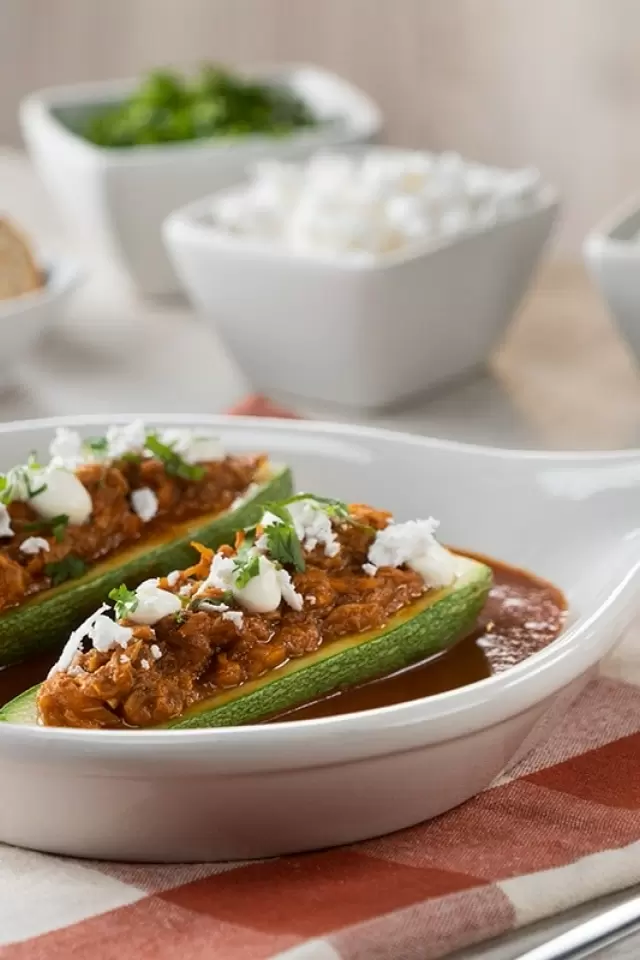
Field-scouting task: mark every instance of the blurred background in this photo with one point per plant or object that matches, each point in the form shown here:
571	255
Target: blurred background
553	85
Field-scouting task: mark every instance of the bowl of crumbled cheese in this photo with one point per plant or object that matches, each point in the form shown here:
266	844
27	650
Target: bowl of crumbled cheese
363	278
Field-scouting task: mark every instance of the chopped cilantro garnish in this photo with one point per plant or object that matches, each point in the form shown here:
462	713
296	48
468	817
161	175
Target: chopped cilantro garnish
174	464
56	526
246	568
18	482
97	444
284	546
125	601
69	568
225	598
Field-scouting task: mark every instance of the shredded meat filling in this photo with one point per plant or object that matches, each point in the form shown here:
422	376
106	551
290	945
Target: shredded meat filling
114	524
203	654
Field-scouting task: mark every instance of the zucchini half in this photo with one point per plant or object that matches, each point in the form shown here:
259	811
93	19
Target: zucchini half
45	620
427	627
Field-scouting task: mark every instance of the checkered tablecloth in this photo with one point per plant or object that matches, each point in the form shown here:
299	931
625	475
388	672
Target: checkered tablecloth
562	828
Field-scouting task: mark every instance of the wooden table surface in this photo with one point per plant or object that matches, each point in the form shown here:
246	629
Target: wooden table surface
563	378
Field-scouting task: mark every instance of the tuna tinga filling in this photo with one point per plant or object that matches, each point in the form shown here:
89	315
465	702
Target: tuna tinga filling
96	496
312	570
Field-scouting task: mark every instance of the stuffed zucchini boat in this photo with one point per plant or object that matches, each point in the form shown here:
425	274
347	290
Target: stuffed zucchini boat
113	509
317	596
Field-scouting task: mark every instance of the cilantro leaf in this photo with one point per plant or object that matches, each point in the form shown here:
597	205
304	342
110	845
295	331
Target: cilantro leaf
69	568
97	444
246	569
225	598
174	464
284	546
57	526
125	601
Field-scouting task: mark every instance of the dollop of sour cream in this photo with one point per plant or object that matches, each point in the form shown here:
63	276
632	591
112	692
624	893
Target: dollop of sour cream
153	604
62	493
262	594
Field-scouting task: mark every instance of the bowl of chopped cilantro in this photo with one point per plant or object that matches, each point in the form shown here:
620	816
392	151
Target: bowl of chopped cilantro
168	108
119	156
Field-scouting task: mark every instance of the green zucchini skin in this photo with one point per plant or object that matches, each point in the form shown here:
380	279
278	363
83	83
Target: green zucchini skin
439	625
45	621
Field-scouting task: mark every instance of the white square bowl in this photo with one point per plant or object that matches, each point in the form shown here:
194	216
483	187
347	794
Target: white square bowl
115	199
23	319
612	254
351	333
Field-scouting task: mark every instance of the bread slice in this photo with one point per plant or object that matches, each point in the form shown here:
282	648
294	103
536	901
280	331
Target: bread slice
18	271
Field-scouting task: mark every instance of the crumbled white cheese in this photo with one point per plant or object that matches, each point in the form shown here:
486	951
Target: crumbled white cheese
123	658
126	438
220	575
186	590
370	569
313	526
62	493
6	530
414	544
66	448
156	652
235	616
33	545
173	577
311	600
74	642
144	503
145	664
289	593
153	604
211	607
76	671
373	204
193	447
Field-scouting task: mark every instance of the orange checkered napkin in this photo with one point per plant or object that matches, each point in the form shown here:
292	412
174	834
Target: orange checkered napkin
562	828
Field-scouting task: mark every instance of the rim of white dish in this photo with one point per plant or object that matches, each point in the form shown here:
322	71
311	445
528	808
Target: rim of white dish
448	713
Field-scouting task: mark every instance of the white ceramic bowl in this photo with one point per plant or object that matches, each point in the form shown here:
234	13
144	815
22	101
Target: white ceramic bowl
612	254
263	790
22	319
116	199
362	335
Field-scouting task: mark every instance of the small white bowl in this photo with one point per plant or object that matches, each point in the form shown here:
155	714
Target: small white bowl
351	332
259	791
22	319
612	255
116	199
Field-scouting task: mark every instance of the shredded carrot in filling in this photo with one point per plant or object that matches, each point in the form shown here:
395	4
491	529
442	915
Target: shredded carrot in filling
205	648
